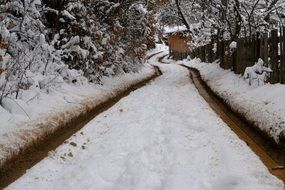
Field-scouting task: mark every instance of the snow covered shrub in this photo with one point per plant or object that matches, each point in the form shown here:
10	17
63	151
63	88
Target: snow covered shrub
21	30
71	37
28	60
102	37
44	43
257	73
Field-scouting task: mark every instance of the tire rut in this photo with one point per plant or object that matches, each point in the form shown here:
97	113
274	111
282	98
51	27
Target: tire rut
270	154
17	166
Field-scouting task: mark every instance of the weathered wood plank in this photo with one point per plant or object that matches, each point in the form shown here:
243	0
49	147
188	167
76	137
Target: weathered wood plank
273	54
282	56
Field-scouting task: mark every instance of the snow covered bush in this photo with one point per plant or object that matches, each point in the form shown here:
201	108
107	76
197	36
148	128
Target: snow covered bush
257	74
44	43
28	61
102	37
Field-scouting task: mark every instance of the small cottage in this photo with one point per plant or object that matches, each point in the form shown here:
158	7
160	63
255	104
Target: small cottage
178	40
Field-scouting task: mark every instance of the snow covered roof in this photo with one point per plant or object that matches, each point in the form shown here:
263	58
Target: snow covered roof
174	29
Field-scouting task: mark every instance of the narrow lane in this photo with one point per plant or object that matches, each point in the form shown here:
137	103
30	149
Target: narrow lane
162	136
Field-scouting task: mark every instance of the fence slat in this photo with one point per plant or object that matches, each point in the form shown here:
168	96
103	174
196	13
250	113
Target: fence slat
240	47
273	54
263	48
271	48
282	56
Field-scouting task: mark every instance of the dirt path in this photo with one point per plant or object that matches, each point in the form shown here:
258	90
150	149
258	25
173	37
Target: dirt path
162	136
154	54
272	157
254	140
18	165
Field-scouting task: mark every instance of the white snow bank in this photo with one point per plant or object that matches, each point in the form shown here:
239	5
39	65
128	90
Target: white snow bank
172	29
38	113
162	136
158	48
263	105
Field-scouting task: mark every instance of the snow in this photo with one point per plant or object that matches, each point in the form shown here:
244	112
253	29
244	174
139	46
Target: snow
257	73
172	29
233	45
162	136
73	41
158	48
16	106
263	105
68	15
4	33
39	113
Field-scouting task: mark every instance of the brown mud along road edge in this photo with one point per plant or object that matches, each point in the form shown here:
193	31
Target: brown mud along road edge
17	166
154	54
269	153
161	58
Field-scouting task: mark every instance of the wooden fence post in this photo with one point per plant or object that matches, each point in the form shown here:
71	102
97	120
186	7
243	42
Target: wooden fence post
264	48
257	46
207	50
227	55
215	43
248	53
282	55
222	54
195	53
238	52
252	48
199	52
273	54
240	56
218	52
211	53
234	60
203	54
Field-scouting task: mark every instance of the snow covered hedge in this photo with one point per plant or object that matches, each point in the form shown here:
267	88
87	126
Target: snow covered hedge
44	43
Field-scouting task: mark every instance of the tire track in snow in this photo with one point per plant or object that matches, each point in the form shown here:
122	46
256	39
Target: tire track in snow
18	165
166	137
268	153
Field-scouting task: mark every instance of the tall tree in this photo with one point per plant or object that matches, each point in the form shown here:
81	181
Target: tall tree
180	12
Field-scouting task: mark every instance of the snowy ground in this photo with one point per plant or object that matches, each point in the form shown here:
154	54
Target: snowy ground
162	136
264	105
25	120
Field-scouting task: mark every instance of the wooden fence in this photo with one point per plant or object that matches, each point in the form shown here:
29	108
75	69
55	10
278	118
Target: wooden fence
268	46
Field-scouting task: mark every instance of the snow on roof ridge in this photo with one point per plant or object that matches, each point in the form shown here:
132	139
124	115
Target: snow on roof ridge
173	29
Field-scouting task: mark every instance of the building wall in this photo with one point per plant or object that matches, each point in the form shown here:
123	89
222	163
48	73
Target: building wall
178	46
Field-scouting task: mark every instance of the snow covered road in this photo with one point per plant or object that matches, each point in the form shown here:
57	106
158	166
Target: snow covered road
162	136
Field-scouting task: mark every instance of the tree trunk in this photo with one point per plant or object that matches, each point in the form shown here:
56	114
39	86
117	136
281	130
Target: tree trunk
182	15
